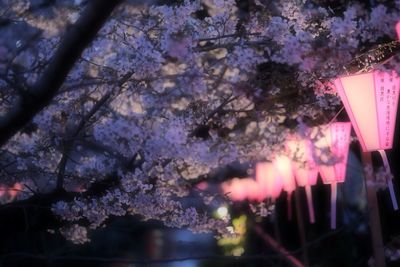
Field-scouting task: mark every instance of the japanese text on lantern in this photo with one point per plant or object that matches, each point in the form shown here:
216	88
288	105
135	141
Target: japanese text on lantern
340	142
386	97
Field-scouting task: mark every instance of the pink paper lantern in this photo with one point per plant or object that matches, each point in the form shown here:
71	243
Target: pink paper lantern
304	168
283	166
371	101
234	189
242	189
266	177
284	173
336	139
398	30
253	190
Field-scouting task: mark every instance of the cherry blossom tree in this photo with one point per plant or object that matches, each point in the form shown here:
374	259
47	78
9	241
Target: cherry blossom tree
111	108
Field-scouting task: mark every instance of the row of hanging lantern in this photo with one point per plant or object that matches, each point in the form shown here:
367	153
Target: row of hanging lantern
326	155
337	139
297	166
304	167
371	101
324	150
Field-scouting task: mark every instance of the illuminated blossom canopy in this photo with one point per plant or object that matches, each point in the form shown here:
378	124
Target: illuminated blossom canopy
165	95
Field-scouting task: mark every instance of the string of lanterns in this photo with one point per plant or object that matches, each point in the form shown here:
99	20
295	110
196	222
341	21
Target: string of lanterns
371	101
298	167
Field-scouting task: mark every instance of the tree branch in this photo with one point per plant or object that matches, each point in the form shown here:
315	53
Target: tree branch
77	38
38	208
69	143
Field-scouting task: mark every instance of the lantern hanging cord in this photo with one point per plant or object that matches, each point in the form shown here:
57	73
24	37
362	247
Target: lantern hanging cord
334	117
389	179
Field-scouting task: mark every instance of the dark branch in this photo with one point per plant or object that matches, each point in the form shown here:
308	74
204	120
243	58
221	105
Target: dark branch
38	208
77	38
69	143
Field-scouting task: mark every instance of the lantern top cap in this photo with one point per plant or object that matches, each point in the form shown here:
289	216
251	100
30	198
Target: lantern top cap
369	72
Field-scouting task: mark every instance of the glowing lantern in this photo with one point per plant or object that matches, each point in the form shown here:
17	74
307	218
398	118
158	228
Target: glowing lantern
241	189
15	190
267	184
266	177
371	102
336	138
253	190
398	30
304	168
284	173
234	189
